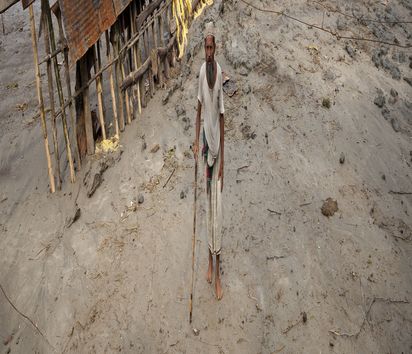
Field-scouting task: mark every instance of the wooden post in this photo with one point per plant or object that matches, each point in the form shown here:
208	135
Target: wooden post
84	73
50	32
118	73
40	98
149	50
51	95
69	89
155	31
136	89
99	87
123	74
112	91
162	43
138	60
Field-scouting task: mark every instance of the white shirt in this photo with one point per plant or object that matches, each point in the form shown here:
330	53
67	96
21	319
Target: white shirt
212	107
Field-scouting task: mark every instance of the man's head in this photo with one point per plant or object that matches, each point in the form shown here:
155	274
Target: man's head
210	46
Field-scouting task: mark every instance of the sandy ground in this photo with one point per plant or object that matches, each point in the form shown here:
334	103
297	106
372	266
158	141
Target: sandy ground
119	280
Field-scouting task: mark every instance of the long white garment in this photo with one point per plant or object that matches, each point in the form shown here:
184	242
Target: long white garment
215	211
212	107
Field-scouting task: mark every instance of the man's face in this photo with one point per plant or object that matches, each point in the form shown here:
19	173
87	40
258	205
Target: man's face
209	49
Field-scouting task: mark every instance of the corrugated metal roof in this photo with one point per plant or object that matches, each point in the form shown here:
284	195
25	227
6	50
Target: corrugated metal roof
84	22
5	4
120	5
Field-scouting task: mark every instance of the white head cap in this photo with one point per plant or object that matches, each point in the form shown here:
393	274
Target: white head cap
209	29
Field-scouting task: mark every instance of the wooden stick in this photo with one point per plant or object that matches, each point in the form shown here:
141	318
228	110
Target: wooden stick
164	60
127	98
84	73
193	246
25	316
99	87
112	92
150	72
54	53
118	73
51	97
134	76
155	41
40	98
136	58
69	89
60	91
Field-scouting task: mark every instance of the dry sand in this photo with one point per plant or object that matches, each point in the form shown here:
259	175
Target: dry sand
119	280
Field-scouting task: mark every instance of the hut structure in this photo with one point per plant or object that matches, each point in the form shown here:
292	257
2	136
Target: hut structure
97	63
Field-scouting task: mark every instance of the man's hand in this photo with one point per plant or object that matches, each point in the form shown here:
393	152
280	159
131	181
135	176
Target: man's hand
195	149
221	176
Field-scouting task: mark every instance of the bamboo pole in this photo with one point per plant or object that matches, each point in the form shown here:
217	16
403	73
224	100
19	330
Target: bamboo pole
60	91
69	89
136	58
51	96
123	74
149	49
155	32
40	98
136	90
99	87
118	73
161	42
84	74
112	91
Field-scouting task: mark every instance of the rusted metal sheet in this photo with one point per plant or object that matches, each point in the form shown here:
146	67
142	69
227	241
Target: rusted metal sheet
26	3
84	22
120	5
5	4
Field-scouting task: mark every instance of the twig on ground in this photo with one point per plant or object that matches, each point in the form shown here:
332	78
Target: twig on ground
330	9
291	326
400	192
305	204
365	318
335	34
271	258
241	168
26	317
273	212
169	177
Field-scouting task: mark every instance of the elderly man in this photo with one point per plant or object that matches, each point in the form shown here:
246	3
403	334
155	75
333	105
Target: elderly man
210	103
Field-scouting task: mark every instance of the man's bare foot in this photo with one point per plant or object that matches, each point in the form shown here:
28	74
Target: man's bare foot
219	291
210	269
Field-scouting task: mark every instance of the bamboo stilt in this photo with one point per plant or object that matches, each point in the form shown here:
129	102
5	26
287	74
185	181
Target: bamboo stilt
69	91
40	98
136	89
60	91
51	96
112	91
99	87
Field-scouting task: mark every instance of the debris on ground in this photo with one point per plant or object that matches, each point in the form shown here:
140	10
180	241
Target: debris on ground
326	102
329	207
107	145
155	149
